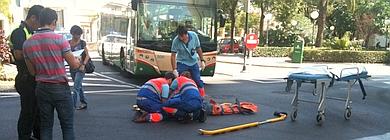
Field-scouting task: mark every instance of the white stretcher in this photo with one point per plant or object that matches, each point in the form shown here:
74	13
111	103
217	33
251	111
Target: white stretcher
322	77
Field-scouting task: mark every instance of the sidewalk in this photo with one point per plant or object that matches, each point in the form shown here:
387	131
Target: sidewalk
285	63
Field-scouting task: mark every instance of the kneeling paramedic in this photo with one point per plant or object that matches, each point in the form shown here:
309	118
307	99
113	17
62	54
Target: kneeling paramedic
186	104
150	98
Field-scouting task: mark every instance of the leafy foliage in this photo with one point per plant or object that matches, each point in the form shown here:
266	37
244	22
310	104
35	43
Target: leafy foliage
347	56
4	8
272	51
5	54
340	43
342	19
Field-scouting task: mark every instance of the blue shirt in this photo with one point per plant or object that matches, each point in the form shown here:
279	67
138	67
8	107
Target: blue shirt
186	53
174	85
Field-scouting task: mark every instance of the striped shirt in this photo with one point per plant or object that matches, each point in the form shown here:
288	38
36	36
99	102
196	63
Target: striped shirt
46	50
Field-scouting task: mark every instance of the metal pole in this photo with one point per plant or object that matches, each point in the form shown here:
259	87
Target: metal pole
387	35
312	34
266	40
246	33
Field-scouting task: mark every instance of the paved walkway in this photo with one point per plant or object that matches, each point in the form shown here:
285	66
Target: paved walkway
285	62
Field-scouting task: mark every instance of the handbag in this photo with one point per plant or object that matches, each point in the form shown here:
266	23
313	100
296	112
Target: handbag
89	67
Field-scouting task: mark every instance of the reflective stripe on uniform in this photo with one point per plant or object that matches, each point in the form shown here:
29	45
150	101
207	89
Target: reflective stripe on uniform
28	35
151	87
141	98
187	87
169	110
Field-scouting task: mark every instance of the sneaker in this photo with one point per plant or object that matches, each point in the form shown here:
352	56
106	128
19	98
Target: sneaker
140	117
82	106
202	116
189	117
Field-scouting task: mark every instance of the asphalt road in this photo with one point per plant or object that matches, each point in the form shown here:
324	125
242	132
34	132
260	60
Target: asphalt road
110	92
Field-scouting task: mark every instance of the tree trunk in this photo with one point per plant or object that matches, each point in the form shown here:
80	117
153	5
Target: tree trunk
261	28
233	18
321	22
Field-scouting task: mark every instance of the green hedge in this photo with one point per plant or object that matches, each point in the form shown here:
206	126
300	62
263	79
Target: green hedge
272	51
323	55
348	56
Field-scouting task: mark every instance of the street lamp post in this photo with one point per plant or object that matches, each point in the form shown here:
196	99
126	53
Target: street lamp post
267	18
314	15
247	4
331	30
387	22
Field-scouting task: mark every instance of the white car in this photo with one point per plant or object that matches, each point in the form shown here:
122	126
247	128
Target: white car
64	33
111	40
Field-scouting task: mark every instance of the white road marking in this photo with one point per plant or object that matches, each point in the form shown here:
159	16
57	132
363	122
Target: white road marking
119	81
109	72
92	79
8	94
110	91
377	137
105	93
100	92
266	82
104	85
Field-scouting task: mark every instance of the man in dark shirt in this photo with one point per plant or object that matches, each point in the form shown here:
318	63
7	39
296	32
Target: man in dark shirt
24	82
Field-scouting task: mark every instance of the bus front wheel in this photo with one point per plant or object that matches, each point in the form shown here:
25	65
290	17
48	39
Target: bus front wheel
104	57
122	58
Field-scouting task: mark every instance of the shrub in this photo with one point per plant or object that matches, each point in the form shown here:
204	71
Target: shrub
5	54
349	56
272	51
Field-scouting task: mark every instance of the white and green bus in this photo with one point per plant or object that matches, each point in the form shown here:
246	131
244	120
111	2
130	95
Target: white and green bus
139	41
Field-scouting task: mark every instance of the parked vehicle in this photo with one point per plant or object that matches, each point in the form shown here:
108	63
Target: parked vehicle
64	33
224	46
111	41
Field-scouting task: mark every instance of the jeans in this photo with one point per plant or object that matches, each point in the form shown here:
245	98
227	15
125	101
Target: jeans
195	72
148	101
55	96
77	77
29	114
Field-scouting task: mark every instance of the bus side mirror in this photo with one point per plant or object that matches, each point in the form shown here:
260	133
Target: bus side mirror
222	20
134	4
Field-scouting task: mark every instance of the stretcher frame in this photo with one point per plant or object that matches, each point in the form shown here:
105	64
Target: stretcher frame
321	85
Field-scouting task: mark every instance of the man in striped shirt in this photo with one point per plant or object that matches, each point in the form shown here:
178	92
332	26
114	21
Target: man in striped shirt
44	54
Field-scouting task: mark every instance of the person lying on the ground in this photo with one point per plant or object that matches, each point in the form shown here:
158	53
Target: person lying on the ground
186	103
150	98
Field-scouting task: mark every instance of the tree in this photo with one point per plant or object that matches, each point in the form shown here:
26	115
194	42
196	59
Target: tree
253	19
4	8
286	10
370	17
323	5
229	7
265	6
342	19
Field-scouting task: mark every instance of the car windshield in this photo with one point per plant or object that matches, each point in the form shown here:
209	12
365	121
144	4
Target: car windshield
227	41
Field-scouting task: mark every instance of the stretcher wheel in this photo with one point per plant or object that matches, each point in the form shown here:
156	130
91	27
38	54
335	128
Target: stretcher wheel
320	118
347	113
294	115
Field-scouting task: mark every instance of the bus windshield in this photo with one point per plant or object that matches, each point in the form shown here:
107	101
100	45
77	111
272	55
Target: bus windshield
158	22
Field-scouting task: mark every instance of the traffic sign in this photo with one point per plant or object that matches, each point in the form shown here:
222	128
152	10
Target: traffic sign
251	41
